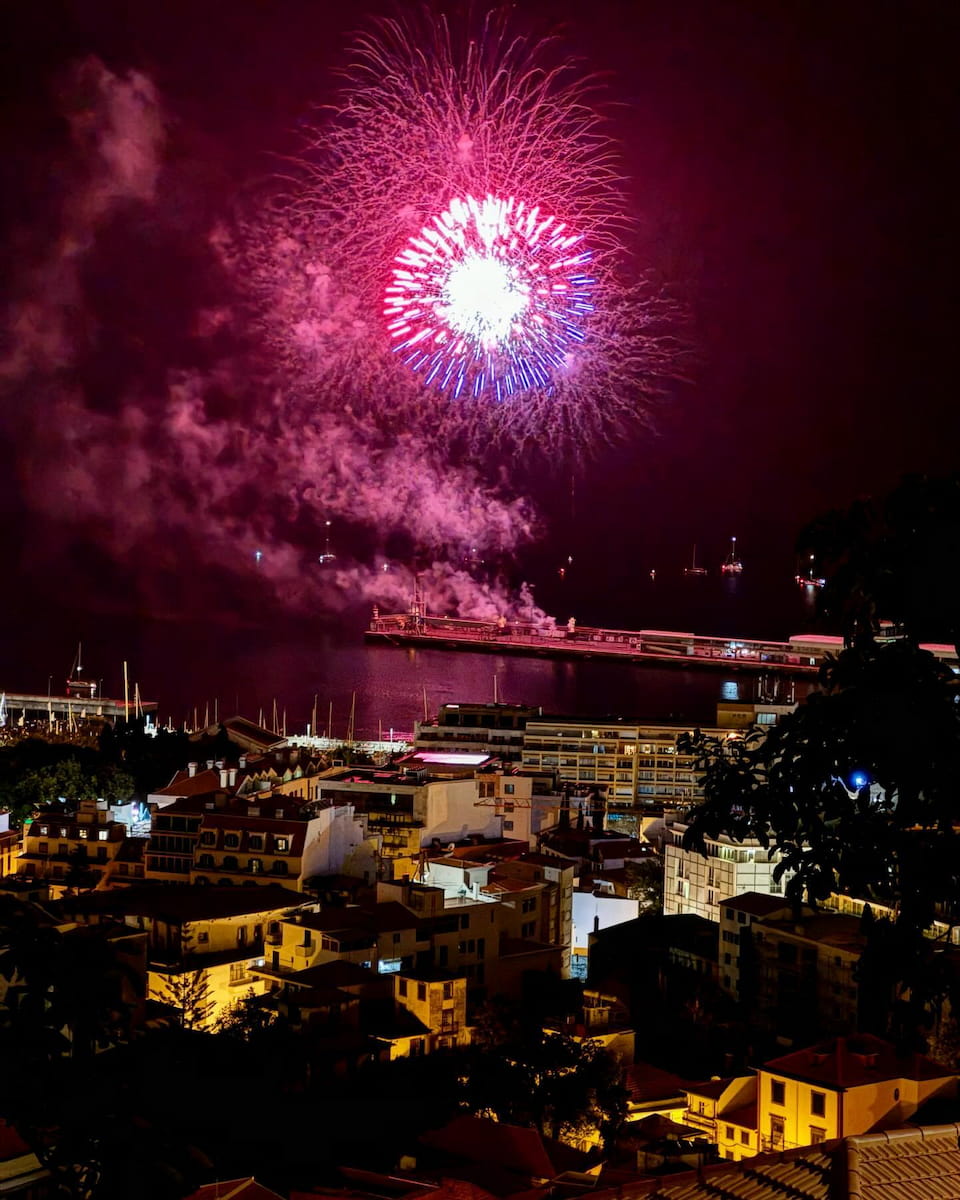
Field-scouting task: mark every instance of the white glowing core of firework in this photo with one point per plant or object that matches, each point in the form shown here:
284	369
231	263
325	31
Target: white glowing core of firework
482	298
490	298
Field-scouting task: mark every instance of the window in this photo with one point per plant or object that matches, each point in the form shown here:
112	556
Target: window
744	1137
817	1135
508	827
208	838
230	863
729	914
421	991
102	835
465	921
741	918
401	987
44	847
282	844
256	866
729	1133
279	868
818	1103
83	833
508	789
205	860
44	830
396	939
255	841
231	840
527	930
202	937
777	1091
448	991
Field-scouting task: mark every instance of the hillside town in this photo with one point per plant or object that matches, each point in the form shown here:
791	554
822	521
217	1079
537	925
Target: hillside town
510	927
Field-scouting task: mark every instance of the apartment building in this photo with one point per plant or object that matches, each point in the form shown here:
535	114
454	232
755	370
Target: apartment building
408	810
55	841
495	729
698	883
637	765
737	916
216	934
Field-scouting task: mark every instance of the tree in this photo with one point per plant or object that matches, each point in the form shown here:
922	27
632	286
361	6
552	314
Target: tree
188	993
645	883
856	790
247	1018
563	1088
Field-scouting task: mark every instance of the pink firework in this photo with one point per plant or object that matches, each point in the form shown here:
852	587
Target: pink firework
466	185
489	298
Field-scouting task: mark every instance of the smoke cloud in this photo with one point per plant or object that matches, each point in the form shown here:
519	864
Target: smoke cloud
157	425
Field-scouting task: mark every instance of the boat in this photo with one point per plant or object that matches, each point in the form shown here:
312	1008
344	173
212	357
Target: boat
693	569
76	686
732	565
809	578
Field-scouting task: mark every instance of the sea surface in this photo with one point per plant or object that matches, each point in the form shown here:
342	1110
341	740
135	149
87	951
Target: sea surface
219	668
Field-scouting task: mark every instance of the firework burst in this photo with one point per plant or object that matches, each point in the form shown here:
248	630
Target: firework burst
454	253
488	298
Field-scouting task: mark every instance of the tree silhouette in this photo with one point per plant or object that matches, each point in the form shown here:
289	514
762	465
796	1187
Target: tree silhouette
856	789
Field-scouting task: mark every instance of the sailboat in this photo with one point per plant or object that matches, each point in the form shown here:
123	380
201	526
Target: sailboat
75	685
809	578
731	564
693	569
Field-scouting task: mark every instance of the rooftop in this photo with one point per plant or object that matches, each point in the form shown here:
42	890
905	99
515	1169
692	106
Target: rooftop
755	904
185	902
848	1062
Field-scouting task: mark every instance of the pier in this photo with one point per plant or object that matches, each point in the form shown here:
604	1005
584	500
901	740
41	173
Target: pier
800	655
28	706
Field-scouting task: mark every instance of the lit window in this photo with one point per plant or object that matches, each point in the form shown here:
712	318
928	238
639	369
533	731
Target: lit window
282	845
82	833
103	835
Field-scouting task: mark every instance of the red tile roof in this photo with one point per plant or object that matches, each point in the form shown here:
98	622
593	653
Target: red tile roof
846	1062
234	1189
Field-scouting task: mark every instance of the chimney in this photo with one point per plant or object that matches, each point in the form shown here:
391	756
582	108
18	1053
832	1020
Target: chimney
232	777
220	764
224	776
209	764
191	770
242	761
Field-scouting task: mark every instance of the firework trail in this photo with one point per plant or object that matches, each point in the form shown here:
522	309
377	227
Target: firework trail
442	132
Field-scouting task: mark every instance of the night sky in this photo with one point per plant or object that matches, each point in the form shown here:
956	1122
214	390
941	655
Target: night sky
791	171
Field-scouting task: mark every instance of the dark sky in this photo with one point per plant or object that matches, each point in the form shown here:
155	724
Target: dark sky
791	168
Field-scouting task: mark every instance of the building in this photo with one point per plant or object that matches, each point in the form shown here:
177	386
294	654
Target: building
636	765
805	973
595	909
737	915
414	808
56	842
495	729
256	830
843	1087
9	846
698	883
837	1088
438	999
219	935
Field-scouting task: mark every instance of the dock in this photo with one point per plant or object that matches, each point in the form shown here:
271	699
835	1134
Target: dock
659	647
801	654
29	706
